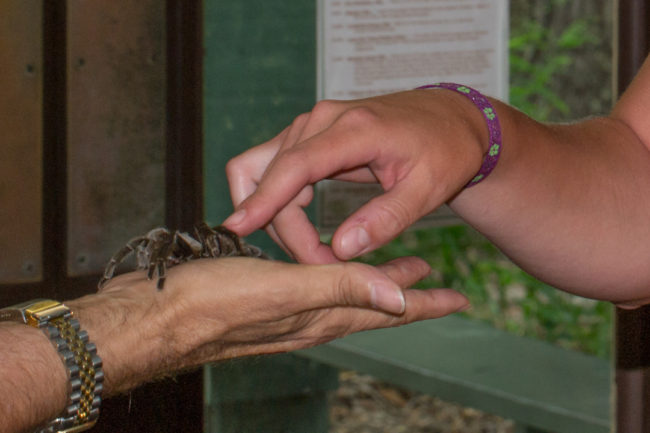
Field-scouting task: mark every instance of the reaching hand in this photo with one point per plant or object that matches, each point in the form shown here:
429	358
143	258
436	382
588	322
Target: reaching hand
422	146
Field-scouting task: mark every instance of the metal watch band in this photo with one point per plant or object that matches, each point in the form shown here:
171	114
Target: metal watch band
85	372
83	365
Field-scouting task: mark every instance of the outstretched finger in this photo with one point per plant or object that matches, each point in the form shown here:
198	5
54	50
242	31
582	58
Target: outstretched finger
433	304
322	156
422	304
406	271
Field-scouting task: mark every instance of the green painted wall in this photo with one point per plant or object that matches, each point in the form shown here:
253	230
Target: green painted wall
259	73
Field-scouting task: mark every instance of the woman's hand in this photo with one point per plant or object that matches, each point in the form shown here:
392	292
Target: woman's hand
422	146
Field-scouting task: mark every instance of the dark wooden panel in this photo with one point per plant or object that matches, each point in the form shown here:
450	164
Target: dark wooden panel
632	326
169	406
633	39
21	72
115	128
184	113
173	405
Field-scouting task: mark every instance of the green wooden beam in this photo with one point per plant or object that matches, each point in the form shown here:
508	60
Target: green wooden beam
532	382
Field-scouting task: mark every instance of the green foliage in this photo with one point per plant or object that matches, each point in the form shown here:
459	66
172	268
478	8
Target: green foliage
540	57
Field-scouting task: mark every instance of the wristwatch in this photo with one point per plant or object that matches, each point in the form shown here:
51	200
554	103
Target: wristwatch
79	356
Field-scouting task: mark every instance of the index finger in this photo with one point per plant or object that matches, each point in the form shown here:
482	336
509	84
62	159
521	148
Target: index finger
338	149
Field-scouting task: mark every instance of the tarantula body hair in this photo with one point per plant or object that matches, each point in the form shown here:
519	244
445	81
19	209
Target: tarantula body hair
160	248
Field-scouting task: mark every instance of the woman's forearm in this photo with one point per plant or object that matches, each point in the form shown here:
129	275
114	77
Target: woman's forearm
570	204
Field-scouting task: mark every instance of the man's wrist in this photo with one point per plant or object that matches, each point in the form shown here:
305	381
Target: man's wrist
129	324
42	372
486	132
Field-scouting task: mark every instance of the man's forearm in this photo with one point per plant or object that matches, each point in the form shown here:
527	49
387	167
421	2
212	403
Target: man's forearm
210	310
128	326
33	381
125	328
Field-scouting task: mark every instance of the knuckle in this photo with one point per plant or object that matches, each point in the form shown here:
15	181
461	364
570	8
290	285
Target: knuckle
325	108
294	160
394	215
342	287
300	120
350	287
361	116
234	166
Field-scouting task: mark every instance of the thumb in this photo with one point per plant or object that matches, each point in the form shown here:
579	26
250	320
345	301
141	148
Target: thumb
380	220
360	285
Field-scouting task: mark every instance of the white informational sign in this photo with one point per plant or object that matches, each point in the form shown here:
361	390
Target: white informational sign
372	47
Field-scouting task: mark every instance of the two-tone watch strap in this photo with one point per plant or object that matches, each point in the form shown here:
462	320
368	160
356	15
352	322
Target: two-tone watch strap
85	371
83	365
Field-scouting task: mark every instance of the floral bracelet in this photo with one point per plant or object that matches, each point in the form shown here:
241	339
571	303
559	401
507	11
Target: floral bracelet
494	128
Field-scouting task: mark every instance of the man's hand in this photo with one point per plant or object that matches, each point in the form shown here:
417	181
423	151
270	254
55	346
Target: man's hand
422	146
210	310
218	309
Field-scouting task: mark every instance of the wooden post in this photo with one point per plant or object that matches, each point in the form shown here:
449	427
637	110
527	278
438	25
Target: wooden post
632	327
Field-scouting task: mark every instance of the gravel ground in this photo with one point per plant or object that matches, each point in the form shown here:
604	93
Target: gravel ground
363	404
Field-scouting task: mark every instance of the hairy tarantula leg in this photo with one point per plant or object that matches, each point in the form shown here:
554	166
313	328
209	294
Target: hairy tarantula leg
225	236
253	251
161	264
118	258
210	246
187	244
198	232
162	273
232	236
159	257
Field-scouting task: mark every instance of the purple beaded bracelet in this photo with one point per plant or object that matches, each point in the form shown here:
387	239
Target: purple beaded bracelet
494	128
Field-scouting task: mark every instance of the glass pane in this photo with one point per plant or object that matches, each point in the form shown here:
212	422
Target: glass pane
116	127
20	122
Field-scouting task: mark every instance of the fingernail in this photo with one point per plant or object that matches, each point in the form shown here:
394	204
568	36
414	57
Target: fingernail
354	241
387	297
464	308
235	218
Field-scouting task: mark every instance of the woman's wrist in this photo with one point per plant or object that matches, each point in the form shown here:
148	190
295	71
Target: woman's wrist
481	104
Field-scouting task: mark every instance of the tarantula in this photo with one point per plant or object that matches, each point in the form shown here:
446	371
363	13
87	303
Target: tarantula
161	248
